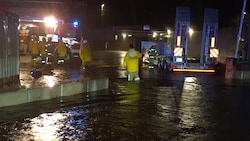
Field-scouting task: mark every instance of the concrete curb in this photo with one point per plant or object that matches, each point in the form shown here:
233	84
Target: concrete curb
37	94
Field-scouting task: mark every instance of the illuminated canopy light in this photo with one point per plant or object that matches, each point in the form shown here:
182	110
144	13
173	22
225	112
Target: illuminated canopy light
154	34
50	21
129	35
124	35
169	31
116	37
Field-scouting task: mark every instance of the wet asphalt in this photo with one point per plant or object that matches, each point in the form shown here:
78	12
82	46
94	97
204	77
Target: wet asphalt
163	106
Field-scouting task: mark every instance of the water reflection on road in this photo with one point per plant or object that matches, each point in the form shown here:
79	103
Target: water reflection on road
162	106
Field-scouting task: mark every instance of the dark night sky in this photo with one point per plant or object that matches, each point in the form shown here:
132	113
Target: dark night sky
158	13
162	12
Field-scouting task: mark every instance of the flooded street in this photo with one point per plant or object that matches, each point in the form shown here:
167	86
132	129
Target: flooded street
163	106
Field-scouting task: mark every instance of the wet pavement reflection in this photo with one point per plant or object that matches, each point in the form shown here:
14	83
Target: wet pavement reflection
162	106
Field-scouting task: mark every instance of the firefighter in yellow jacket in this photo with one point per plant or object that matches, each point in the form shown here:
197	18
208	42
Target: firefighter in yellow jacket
131	62
85	54
42	48
34	51
61	51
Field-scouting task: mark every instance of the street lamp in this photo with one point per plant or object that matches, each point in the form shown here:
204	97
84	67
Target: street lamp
102	11
240	28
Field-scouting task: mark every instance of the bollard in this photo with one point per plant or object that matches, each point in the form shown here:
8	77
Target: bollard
230	68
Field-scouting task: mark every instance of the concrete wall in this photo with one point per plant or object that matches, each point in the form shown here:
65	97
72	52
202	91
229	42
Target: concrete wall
36	94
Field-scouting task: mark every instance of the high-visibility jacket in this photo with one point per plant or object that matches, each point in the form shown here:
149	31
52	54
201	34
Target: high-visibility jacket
33	48
85	53
61	49
131	60
42	48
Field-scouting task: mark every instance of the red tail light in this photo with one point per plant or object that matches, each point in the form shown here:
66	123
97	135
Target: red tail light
174	67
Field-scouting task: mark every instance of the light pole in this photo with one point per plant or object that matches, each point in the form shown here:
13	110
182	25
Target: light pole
240	29
102	11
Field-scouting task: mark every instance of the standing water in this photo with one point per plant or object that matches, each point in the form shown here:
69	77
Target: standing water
162	106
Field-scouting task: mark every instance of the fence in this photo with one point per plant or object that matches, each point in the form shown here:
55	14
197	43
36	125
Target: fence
9	48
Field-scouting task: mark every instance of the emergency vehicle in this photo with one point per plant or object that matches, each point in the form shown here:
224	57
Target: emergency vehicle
50	28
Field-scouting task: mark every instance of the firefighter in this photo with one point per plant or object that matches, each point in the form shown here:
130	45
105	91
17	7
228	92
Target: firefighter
34	51
85	54
131	62
42	48
49	49
152	56
61	52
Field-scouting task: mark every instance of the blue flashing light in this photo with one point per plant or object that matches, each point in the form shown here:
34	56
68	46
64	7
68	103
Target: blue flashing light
76	23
